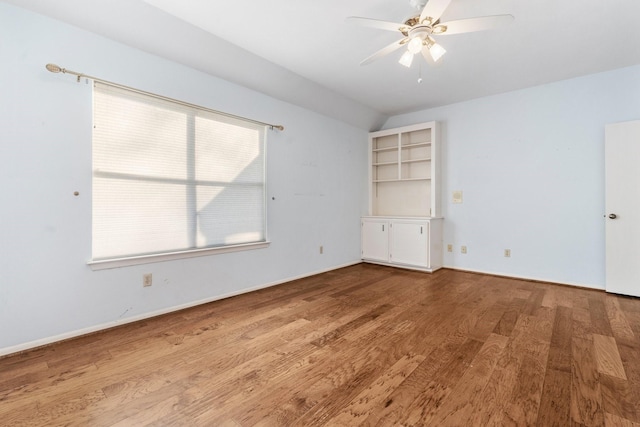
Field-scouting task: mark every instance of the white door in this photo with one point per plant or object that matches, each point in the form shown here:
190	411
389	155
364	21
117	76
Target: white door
375	240
622	201
409	243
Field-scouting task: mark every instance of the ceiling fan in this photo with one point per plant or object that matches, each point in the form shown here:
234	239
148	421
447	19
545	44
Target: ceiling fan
418	31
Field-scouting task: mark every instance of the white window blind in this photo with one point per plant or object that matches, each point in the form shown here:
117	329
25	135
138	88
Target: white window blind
169	177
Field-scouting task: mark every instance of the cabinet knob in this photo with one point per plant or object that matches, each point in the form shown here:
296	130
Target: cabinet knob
613	216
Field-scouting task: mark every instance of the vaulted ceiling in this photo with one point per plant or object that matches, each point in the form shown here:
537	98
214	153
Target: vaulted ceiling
304	51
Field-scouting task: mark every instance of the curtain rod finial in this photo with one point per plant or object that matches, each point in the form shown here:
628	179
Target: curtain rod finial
278	127
54	68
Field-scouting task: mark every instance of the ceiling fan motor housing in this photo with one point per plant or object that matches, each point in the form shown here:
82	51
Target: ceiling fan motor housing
421	33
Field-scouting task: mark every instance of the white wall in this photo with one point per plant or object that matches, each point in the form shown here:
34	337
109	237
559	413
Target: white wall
316	171
531	167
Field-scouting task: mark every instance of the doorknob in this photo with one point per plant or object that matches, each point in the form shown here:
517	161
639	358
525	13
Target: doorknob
613	216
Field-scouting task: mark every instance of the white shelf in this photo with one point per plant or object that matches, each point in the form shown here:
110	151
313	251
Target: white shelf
416	144
377	150
385	164
415	160
401	180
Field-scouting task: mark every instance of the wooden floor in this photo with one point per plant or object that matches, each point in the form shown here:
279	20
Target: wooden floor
363	345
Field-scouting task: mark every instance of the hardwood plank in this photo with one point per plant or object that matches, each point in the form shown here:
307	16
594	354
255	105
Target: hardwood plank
509	318
607	356
531	336
634	321
555	408
318	390
435	377
599	319
457	409
586	400
534	302
581	324
52	414
611	420
354	324
617	319
619	398
525	401
330	394
357	410
241	399
482	320
557	296
560	349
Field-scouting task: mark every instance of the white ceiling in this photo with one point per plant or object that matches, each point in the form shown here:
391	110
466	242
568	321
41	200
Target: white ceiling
297	49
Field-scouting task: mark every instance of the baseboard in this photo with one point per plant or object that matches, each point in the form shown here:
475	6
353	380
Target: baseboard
97	328
532	279
403	266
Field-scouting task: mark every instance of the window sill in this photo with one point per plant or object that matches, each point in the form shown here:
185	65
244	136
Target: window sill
170	256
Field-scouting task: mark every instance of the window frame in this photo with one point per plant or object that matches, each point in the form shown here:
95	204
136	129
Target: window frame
170	256
124	261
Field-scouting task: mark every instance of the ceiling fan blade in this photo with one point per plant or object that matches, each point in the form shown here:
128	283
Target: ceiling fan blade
376	23
385	51
434	10
472	24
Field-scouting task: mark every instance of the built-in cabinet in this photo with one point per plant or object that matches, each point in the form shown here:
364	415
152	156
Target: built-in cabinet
403	242
375	239
404	227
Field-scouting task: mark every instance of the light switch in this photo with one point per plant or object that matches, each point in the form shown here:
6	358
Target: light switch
457	196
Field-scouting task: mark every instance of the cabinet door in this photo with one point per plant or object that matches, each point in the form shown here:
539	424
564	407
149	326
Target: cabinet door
409	243
375	240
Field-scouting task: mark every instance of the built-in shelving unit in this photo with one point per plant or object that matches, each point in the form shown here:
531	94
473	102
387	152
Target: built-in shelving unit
404	227
404	171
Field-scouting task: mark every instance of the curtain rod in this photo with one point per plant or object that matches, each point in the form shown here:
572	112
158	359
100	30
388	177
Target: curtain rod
57	69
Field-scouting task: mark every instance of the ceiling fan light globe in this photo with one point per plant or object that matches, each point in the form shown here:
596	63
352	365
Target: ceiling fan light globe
415	45
406	59
436	51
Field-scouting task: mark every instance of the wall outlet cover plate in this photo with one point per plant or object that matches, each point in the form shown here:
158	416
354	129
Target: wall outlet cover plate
457	196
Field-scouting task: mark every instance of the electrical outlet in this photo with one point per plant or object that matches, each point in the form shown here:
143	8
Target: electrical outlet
507	253
321	250
147	279
463	249
449	248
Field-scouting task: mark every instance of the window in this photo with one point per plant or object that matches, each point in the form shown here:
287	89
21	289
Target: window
172	178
